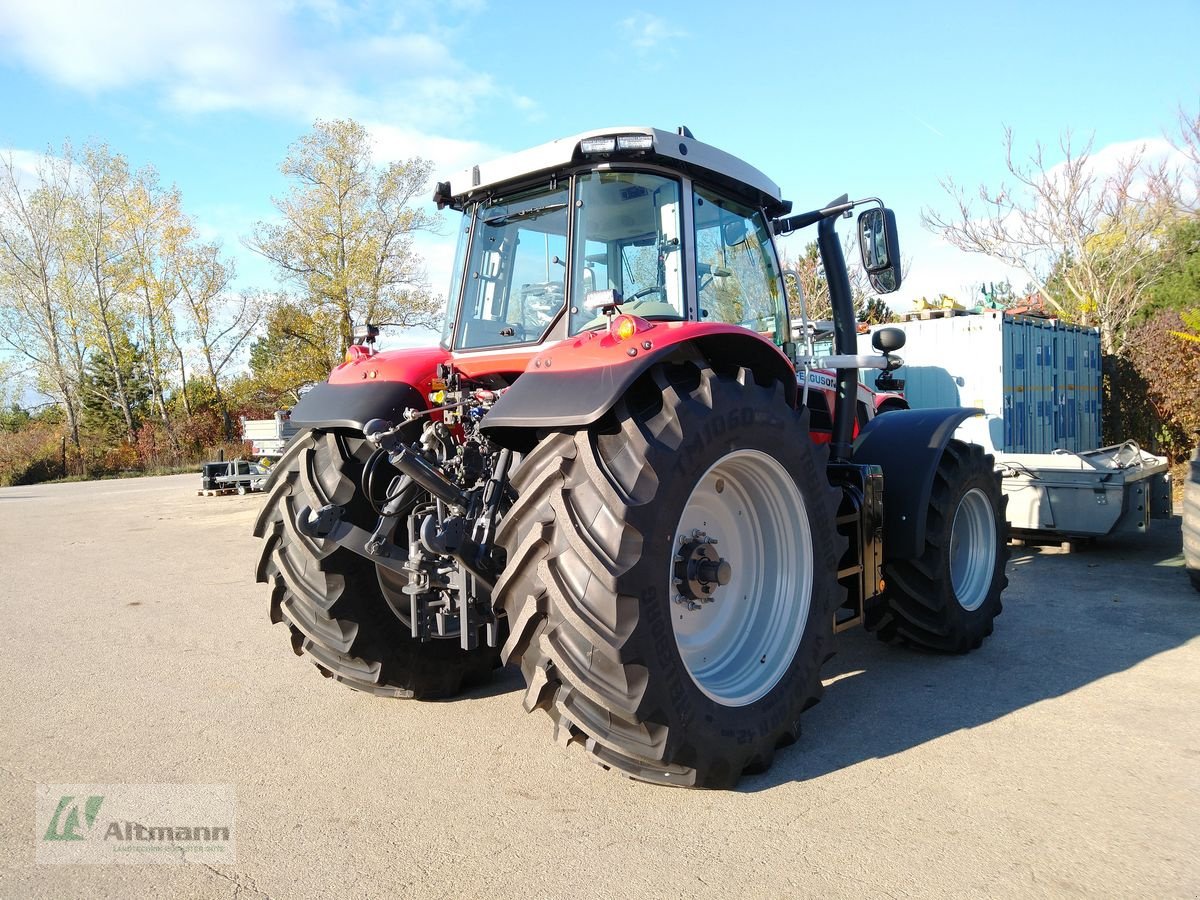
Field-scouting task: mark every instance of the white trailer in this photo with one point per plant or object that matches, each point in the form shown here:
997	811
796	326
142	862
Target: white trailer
1038	383
268	437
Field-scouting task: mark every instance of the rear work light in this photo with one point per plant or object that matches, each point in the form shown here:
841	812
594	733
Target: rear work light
635	142
624	143
598	145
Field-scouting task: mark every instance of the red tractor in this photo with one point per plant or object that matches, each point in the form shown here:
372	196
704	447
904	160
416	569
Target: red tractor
619	472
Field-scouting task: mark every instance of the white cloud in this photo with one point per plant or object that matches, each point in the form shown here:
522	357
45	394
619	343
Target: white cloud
449	155
25	164
94	47
937	268
645	31
304	59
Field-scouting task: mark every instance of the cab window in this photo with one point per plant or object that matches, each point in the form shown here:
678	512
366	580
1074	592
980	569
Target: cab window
628	240
737	281
515	272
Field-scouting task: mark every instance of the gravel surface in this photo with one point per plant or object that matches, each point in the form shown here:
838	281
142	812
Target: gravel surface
1061	759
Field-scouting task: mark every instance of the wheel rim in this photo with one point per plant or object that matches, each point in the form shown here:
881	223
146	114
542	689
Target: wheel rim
738	645
972	549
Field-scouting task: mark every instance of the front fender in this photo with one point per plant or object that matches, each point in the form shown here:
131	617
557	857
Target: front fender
907	444
575	383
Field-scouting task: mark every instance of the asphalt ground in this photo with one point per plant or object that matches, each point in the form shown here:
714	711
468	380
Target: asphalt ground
1062	759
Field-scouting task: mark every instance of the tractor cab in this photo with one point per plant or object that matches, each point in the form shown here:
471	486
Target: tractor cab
631	220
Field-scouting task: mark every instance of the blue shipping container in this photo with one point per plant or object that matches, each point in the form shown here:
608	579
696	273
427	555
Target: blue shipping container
1038	380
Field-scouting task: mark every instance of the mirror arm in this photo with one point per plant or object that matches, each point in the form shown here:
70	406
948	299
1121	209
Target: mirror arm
802	220
845	335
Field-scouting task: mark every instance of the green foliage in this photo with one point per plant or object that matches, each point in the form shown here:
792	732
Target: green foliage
299	347
874	311
996	295
14	418
1179	285
103	415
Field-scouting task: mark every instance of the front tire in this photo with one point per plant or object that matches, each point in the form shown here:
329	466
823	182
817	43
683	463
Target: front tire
947	598
338	608
603	590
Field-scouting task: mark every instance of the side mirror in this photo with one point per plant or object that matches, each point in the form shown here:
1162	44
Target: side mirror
887	340
879	244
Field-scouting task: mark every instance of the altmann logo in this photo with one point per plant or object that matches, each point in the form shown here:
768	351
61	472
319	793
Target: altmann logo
173	834
73	817
138	823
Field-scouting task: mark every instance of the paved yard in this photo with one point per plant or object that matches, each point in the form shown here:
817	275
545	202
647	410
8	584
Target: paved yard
1062	759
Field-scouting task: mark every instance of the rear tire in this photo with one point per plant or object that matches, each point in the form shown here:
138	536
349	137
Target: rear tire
1191	520
947	598
593	542
331	599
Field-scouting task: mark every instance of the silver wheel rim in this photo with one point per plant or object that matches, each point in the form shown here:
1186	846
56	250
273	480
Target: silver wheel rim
972	549
738	646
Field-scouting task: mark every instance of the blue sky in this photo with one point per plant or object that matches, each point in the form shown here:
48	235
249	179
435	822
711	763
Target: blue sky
865	98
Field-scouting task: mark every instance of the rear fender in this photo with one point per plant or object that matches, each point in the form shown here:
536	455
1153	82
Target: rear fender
352	405
575	383
907	444
378	386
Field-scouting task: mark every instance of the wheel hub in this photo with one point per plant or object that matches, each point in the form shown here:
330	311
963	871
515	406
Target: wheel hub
699	570
738	627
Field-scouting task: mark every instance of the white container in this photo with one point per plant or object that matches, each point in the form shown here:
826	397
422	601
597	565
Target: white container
1037	380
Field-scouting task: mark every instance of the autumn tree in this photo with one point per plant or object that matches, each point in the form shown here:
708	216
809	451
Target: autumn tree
1097	231
806	278
218	322
344	235
101	248
155	230
299	347
39	317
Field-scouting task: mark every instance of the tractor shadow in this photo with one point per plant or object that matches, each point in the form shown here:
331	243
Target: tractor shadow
1069	619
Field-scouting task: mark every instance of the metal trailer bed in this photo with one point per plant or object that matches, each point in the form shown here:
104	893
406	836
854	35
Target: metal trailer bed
1112	490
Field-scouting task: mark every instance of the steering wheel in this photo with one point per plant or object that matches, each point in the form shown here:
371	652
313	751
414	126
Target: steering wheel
644	292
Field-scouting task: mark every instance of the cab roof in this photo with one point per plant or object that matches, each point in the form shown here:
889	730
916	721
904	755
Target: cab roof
681	152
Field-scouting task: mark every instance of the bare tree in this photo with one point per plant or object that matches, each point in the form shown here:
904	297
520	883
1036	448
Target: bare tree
219	323
1188	143
806	276
39	319
1089	240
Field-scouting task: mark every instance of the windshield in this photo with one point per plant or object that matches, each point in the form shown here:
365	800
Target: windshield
628	240
515	272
